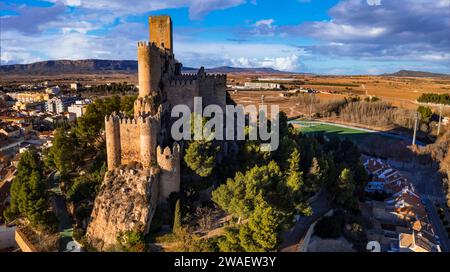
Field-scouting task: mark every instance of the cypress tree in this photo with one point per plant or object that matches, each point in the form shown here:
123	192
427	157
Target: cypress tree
177	217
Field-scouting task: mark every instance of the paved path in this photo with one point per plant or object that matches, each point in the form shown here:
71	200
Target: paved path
293	238
437	224
59	203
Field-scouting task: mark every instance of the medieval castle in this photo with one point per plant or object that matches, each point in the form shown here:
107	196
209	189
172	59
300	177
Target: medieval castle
145	139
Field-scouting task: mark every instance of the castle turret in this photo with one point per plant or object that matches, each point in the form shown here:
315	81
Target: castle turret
149	128
144	63
149	66
112	131
169	162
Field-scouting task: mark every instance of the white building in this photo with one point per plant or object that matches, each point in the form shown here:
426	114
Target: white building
59	104
75	86
262	85
79	108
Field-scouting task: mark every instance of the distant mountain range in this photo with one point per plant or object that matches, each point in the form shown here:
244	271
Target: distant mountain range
407	73
95	66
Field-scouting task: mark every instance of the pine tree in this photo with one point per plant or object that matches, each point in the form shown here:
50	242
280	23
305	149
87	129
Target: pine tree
261	232
294	179
28	193
314	177
201	157
346	189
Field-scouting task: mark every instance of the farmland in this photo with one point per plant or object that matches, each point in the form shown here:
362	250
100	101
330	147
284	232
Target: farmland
399	91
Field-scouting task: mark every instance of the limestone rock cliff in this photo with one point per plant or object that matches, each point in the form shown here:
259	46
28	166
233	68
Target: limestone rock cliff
126	202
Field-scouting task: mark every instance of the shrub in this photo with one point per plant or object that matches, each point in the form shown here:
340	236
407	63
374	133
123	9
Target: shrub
131	241
78	234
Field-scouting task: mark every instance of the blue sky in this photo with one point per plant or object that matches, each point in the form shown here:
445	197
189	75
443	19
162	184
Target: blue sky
314	36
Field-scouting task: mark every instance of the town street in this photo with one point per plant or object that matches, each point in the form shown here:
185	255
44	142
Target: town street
428	183
293	238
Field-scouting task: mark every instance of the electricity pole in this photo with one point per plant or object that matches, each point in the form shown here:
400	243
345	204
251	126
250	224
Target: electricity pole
440	120
312	96
416	122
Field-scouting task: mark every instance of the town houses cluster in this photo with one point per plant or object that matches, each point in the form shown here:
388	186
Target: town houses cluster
399	213
29	115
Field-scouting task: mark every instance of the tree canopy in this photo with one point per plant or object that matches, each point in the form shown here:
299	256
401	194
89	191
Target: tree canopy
29	197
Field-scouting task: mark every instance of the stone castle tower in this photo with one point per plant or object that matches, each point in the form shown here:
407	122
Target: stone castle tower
142	144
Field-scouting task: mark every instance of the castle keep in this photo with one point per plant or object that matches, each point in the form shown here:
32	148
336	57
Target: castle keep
143	160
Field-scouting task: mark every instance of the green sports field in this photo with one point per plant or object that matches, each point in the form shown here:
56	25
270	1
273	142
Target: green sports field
359	136
315	128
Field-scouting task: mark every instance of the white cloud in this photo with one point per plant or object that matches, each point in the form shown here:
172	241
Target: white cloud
435	57
288	63
374	2
197	8
20	48
266	22
17	55
277	56
335	31
73	3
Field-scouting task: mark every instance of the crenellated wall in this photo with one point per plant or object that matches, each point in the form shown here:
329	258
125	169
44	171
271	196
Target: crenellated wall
169	162
212	89
132	139
183	88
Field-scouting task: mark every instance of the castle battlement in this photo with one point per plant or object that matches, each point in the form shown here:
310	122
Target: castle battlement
185	77
218	78
112	117
128	121
168	153
192	79
168	160
183	82
143	44
152	46
142	119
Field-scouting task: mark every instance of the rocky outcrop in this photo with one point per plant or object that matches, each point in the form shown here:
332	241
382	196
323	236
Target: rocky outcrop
126	202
